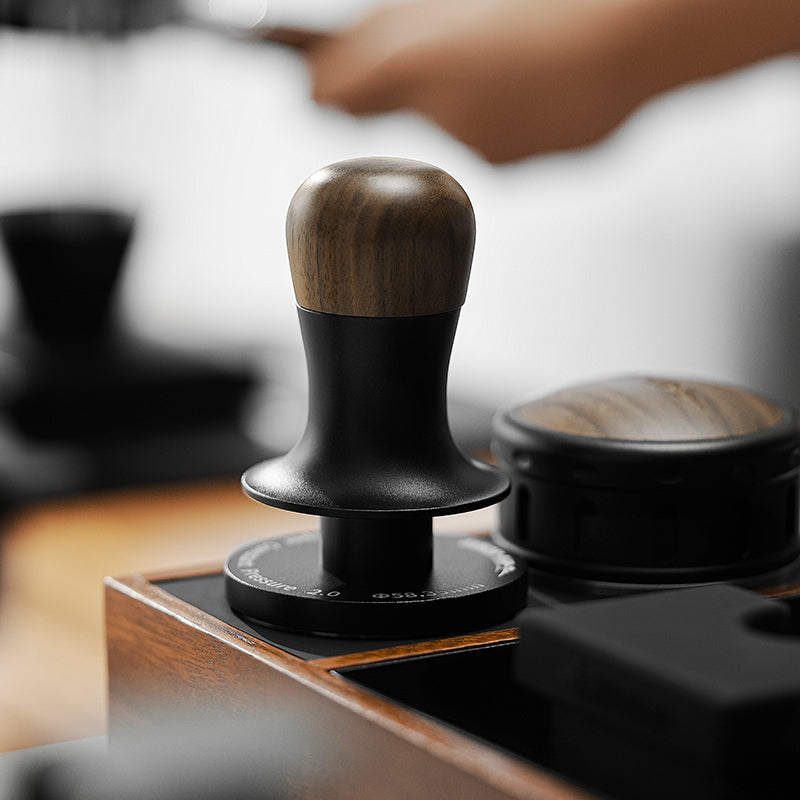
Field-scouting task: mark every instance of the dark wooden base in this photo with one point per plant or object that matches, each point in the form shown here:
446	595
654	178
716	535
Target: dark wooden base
425	719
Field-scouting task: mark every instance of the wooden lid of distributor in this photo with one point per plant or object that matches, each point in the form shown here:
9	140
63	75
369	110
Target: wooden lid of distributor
646	409
380	237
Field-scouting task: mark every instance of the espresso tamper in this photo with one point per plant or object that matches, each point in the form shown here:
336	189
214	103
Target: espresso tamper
380	252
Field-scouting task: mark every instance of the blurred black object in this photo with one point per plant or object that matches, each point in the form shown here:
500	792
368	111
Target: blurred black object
199	756
691	693
75	383
111	17
67	263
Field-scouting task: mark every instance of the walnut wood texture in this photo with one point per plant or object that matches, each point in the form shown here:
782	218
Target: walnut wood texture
654	410
164	655
380	237
403	651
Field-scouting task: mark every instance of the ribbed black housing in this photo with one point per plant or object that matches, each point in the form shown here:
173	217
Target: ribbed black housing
649	512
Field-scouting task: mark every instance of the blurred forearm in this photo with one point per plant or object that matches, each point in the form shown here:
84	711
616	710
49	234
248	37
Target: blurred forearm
512	78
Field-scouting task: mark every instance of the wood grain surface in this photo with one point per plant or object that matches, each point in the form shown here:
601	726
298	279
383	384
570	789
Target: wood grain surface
380	237
639	408
423	648
166	656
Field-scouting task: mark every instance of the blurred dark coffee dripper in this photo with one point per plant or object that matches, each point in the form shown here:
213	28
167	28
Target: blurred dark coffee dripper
67	263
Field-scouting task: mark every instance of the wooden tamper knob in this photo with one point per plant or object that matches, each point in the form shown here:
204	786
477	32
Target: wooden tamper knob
380	252
644	481
380	238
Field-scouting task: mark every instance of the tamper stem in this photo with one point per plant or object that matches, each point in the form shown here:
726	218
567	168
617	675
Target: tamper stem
392	552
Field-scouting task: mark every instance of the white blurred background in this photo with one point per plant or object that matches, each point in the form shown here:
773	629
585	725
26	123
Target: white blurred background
671	248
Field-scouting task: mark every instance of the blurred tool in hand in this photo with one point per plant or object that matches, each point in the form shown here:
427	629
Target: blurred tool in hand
247	19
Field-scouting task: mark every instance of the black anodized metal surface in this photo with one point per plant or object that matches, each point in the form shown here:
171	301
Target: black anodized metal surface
280	582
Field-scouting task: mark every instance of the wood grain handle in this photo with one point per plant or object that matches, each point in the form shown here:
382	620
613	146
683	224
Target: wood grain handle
647	409
380	237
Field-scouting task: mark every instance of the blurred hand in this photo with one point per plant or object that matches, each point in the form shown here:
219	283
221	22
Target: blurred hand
513	78
510	78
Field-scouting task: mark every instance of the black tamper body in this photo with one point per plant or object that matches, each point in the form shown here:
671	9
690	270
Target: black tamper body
642	482
380	252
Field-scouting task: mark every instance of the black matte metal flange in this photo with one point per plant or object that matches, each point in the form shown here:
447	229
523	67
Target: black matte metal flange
377	442
376	462
279	582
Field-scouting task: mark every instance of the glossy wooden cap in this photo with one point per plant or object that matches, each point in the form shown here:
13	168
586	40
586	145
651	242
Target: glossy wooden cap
380	237
644	409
